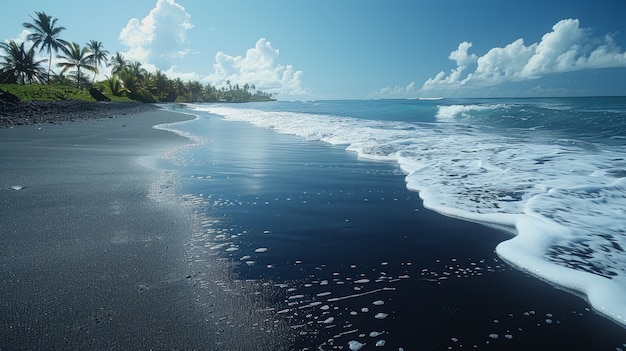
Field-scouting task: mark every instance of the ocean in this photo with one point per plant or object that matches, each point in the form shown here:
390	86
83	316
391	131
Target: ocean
365	224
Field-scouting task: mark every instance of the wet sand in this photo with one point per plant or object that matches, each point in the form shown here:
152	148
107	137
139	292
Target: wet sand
89	256
98	252
341	249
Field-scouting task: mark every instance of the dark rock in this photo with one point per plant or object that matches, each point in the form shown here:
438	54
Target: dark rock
8	97
96	94
34	112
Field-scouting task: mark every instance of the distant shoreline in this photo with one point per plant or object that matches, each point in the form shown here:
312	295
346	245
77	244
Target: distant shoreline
55	112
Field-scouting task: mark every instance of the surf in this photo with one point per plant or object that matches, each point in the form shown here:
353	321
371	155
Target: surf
560	192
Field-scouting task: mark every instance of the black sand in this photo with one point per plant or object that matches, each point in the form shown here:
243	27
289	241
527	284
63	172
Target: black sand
57	112
95	252
88	258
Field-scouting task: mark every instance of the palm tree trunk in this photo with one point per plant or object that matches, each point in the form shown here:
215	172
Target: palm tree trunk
49	66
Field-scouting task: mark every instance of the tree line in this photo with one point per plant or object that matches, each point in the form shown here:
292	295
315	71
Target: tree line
79	66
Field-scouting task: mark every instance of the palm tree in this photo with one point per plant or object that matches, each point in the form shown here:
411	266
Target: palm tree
179	87
139	71
98	55
129	78
115	85
163	87
20	66
117	63
76	58
195	88
46	35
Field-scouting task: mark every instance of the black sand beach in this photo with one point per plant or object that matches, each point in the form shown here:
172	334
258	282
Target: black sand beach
14	113
96	252
89	260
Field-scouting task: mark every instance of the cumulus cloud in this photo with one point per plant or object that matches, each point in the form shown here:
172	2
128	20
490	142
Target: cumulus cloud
158	38
395	92
259	67
567	48
22	38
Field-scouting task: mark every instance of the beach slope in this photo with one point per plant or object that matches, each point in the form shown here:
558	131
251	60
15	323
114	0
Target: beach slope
88	258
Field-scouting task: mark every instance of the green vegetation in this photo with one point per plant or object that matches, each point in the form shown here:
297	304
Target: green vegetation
39	92
22	75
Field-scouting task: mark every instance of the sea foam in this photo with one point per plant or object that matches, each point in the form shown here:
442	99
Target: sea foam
564	200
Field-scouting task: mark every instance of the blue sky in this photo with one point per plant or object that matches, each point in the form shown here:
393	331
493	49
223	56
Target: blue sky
329	49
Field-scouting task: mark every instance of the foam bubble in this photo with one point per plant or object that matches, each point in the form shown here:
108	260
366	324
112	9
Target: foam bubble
551	189
355	345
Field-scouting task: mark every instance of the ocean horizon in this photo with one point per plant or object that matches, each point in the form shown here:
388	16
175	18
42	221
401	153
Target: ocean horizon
368	223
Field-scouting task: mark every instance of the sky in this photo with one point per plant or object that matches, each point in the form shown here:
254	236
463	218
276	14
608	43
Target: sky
358	49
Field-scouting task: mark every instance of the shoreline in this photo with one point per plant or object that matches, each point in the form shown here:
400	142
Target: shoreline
97	251
313	221
88	258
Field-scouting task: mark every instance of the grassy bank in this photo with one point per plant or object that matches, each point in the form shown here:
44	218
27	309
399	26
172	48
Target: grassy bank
38	92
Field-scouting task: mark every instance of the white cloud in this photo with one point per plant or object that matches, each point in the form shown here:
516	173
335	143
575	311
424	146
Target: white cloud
395	92
22	38
566	48
158	38
258	67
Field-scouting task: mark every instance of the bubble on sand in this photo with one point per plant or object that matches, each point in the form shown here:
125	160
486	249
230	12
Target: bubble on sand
381	315
378	303
17	187
375	334
261	250
355	345
380	343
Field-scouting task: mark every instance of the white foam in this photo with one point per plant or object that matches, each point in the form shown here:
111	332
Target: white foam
565	200
447	112
355	345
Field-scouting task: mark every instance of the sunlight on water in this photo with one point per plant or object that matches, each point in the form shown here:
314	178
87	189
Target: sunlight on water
564	195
